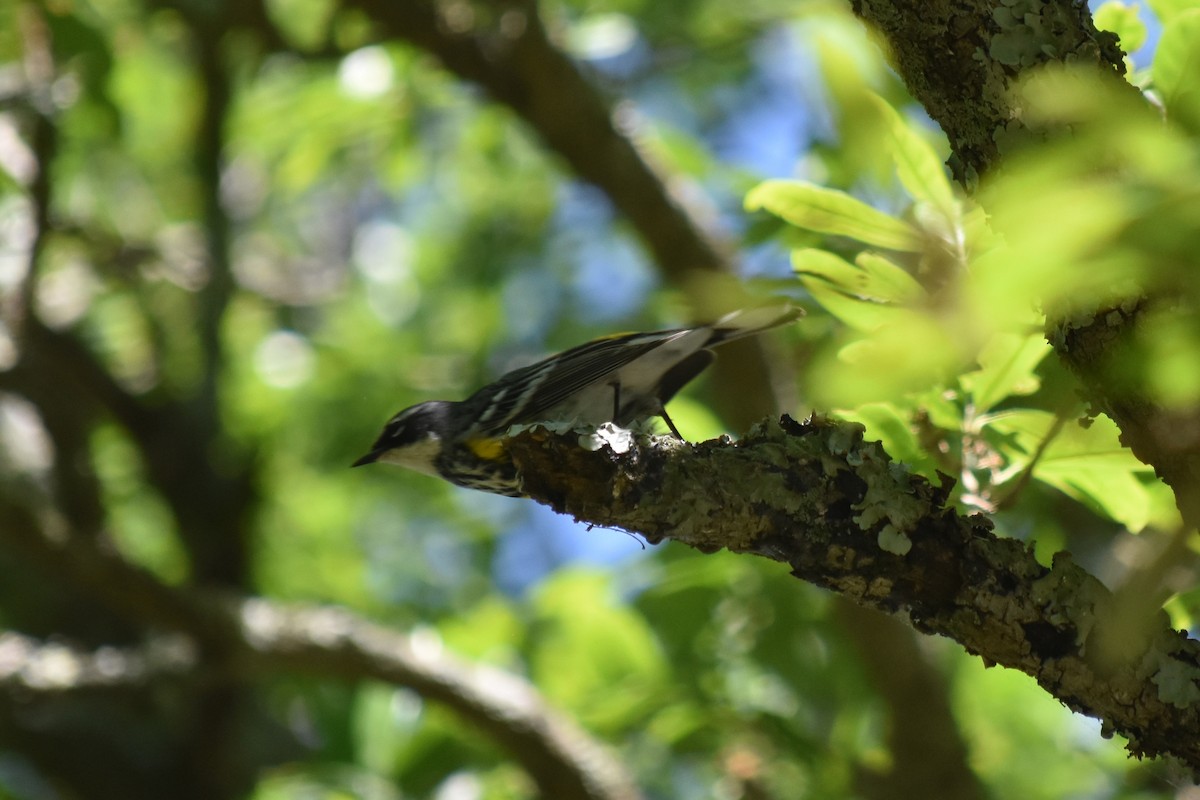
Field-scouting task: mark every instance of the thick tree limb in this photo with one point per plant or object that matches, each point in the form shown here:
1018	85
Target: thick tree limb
842	515
962	61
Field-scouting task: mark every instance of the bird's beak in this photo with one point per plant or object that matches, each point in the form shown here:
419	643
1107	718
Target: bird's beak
369	458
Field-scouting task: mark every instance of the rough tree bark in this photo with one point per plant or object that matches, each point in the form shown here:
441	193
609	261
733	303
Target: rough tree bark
841	514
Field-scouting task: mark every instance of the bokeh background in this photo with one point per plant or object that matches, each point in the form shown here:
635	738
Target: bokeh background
236	237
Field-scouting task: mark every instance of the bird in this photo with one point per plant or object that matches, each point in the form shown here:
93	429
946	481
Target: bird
622	379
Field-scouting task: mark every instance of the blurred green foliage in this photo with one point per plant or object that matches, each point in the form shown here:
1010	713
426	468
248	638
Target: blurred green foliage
394	236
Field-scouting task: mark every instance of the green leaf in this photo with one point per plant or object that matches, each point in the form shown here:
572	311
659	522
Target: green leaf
1176	68
1088	464
889	281
910	352
829	211
917	165
833	269
842	289
1168	10
1122	20
871	278
1007	365
891	426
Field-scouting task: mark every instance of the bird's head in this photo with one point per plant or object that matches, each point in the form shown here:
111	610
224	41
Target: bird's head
413	438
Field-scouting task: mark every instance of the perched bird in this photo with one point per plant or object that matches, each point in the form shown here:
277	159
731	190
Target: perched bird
620	379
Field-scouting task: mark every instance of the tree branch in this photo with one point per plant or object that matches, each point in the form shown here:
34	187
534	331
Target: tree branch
563	760
510	55
948	50
929	756
239	638
842	515
30	666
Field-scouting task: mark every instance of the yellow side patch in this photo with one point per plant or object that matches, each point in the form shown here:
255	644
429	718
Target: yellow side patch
487	449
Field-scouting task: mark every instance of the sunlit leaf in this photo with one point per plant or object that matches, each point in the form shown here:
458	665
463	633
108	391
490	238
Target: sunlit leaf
1086	463
1168	10
1176	68
909	352
1007	365
887	280
862	295
842	289
829	211
919	168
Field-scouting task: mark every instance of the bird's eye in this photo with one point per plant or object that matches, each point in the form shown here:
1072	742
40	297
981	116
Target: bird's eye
400	432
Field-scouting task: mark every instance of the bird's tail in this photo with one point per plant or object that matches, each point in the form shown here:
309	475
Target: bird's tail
749	321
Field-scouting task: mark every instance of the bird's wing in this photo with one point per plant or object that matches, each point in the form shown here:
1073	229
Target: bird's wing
526	394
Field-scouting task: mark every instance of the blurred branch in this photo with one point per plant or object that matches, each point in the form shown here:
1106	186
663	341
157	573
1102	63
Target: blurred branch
929	756
241	638
214	296
843	516
75	486
38	66
563	760
226	502
519	67
28	665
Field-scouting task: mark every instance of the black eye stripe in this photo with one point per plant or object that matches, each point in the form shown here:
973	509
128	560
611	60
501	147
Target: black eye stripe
398	433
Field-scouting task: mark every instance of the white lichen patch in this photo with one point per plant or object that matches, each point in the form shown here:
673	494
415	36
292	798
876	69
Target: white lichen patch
889	500
1176	681
619	440
893	541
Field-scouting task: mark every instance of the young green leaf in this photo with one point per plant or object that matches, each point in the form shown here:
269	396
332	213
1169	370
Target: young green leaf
848	292
887	280
917	165
1176	68
1168	10
1088	464
1122	19
1006	367
829	211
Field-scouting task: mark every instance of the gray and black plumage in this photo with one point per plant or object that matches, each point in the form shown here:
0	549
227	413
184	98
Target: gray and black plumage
621	379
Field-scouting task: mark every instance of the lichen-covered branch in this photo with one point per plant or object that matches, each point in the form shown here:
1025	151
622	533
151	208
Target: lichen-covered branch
962	62
842	515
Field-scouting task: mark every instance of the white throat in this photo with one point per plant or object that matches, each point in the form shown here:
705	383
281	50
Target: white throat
417	456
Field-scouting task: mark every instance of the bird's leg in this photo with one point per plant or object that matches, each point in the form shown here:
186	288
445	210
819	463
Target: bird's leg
616	387
662	412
